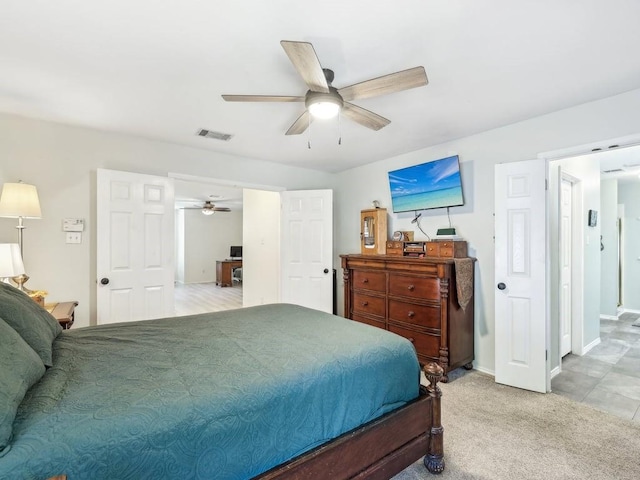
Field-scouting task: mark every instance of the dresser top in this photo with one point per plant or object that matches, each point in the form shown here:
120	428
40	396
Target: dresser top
398	259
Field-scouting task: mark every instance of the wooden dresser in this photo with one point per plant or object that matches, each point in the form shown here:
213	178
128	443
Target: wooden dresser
415	298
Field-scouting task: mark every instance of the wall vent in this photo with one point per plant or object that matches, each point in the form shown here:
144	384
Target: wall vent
614	170
225	137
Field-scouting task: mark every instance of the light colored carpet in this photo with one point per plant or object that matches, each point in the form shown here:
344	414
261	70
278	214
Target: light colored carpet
496	432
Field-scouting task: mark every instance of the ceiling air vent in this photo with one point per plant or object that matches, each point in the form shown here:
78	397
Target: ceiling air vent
615	170
225	137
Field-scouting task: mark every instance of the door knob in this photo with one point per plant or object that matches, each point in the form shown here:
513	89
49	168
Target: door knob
501	286
326	270
104	281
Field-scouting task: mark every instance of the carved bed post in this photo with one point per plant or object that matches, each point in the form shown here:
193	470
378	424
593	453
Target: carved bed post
434	459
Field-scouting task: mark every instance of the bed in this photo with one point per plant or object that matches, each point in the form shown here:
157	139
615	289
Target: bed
270	392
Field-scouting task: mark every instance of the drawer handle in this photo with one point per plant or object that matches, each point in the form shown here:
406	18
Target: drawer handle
411	288
411	314
365	280
364	304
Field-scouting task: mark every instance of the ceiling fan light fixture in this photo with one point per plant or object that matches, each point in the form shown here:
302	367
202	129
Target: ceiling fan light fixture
208	211
324	105
324	110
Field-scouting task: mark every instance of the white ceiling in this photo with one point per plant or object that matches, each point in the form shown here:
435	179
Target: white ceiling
193	194
157	68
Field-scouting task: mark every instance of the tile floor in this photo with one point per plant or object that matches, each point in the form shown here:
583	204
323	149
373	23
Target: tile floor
608	376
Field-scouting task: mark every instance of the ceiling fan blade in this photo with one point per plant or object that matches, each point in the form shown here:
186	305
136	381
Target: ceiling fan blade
301	124
394	82
364	117
306	62
222	209
262	98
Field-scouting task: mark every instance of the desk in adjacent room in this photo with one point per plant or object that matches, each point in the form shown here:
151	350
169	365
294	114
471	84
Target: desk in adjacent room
224	271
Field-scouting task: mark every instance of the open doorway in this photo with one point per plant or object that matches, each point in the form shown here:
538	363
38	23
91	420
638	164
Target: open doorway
599	375
208	275
603	183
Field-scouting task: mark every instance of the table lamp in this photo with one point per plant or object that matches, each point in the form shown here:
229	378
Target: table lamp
20	200
10	261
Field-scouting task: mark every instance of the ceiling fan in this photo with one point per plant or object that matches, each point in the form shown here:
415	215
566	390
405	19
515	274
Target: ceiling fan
323	100
208	208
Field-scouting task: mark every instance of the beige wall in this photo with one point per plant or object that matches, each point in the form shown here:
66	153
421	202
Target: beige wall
207	239
62	160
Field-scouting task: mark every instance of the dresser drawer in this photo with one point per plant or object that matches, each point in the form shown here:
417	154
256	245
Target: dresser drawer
447	249
369	321
426	345
364	279
432	249
414	287
395	248
423	315
369	305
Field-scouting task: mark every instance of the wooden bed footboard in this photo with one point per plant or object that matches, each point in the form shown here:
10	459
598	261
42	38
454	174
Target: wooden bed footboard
379	449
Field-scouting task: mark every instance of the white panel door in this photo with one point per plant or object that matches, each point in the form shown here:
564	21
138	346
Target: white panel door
520	275
307	248
135	246
566	222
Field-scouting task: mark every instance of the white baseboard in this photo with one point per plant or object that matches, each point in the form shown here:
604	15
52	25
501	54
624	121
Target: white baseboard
586	348
608	317
629	310
485	370
555	371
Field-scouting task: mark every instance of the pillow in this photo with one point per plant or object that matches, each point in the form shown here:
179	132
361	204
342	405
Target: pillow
20	368
35	325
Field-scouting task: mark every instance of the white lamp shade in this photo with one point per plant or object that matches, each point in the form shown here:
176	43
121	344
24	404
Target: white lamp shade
19	200
10	260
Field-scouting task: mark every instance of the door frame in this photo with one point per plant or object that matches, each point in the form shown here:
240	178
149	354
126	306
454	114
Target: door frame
565	264
577	259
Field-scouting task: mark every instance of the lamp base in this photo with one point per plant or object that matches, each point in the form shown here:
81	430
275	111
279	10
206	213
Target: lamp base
20	280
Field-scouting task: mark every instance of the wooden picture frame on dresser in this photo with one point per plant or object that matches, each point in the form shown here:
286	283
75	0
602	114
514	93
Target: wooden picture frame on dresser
418	298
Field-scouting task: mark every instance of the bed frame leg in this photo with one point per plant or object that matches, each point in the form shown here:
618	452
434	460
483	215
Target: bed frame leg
434	459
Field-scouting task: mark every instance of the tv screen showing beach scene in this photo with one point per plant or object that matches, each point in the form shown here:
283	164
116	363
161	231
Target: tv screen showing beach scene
434	184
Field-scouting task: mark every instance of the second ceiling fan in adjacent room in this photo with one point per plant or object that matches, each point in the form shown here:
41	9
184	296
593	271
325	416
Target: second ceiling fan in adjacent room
208	208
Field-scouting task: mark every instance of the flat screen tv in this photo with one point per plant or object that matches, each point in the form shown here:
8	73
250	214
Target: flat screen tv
235	251
428	185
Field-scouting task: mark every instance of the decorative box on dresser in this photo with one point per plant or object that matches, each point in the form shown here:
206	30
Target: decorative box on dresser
416	298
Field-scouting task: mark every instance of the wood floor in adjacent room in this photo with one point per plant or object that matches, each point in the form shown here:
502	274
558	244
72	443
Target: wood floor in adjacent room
194	298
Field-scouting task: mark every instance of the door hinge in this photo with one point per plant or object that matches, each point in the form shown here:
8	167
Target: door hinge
546	355
546	184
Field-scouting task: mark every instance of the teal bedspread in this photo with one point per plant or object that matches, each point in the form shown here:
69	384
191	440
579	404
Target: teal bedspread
226	395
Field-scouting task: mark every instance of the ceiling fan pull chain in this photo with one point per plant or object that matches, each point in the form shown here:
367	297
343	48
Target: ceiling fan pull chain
309	132
339	128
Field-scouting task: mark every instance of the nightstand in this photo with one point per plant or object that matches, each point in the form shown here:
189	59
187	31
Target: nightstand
64	313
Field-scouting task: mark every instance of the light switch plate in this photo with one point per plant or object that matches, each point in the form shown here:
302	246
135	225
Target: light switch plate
73	225
74	237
